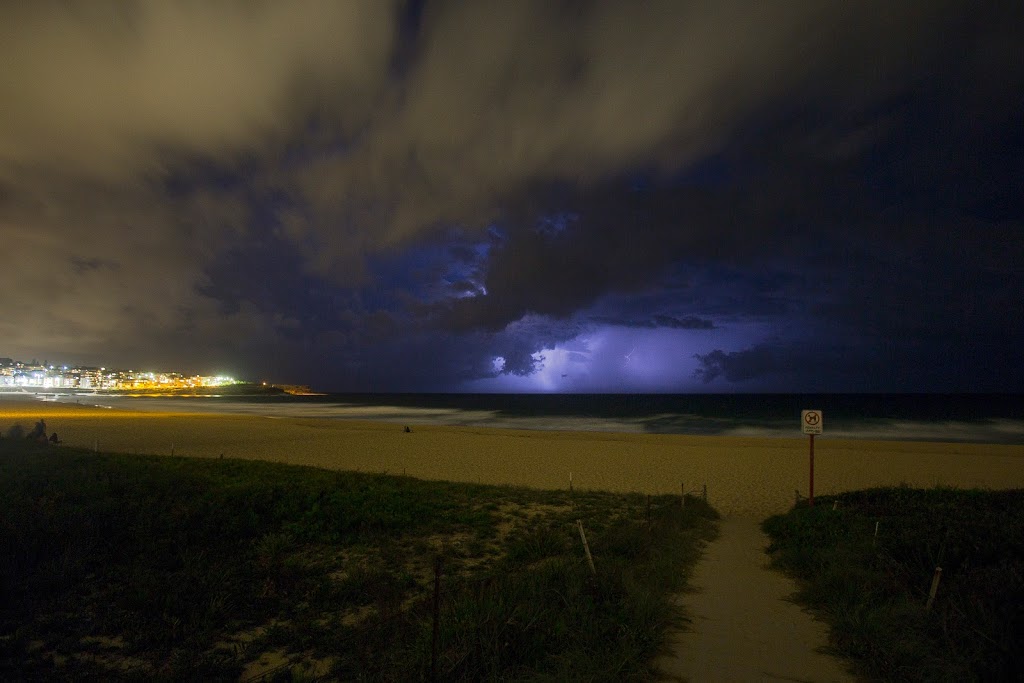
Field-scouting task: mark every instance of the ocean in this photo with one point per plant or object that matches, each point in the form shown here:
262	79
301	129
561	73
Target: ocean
976	418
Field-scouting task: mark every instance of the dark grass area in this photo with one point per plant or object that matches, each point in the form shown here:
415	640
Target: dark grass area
119	567
874	590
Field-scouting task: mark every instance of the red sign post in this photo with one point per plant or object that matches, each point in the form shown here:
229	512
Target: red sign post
811	424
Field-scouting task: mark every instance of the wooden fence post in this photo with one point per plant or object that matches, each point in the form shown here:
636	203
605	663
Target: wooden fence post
586	548
935	588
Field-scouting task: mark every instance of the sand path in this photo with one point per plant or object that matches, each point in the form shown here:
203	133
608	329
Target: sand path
744	628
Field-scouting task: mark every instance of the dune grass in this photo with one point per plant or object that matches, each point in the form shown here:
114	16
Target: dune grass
120	567
873	590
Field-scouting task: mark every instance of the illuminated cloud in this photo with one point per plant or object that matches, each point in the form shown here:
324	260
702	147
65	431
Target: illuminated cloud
123	89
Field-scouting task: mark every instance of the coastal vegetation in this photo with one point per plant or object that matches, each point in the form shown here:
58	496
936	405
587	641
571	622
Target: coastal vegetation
120	567
867	562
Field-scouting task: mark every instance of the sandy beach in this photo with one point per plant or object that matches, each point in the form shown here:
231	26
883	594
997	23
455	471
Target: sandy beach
752	477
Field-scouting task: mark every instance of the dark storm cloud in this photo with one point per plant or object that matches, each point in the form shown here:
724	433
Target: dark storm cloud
408	196
521	345
502	96
968	362
736	366
687	323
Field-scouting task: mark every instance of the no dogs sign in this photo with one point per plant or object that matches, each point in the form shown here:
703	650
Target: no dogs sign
811	421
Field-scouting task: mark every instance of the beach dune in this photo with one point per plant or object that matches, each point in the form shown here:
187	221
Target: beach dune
752	477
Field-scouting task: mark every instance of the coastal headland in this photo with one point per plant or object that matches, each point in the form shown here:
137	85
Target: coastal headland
745	476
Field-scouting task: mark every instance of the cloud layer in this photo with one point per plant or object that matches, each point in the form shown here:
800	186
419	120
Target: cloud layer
394	195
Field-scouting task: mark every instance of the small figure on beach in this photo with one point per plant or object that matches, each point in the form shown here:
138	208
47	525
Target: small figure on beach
407	430
54	440
38	432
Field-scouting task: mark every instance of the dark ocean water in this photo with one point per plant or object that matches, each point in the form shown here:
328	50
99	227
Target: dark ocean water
980	418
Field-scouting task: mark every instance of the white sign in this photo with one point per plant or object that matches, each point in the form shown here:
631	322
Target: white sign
811	421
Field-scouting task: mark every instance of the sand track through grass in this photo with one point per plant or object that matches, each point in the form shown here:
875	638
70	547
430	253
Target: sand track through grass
744	626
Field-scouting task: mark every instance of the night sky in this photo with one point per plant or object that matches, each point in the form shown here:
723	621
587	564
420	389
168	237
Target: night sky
518	196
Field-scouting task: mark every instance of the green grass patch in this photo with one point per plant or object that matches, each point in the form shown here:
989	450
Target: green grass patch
119	567
873	590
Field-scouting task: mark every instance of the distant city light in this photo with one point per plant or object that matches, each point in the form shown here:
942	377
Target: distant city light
19	374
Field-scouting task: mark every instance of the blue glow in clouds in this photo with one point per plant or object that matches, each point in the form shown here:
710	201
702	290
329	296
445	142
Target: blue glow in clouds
622	359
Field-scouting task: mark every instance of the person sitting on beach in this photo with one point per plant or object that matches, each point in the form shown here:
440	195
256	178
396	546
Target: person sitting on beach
38	432
54	440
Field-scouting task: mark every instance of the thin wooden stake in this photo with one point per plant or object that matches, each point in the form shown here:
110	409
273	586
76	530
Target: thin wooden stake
704	493
810	494
570	482
874	540
834	503
682	495
586	547
935	588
